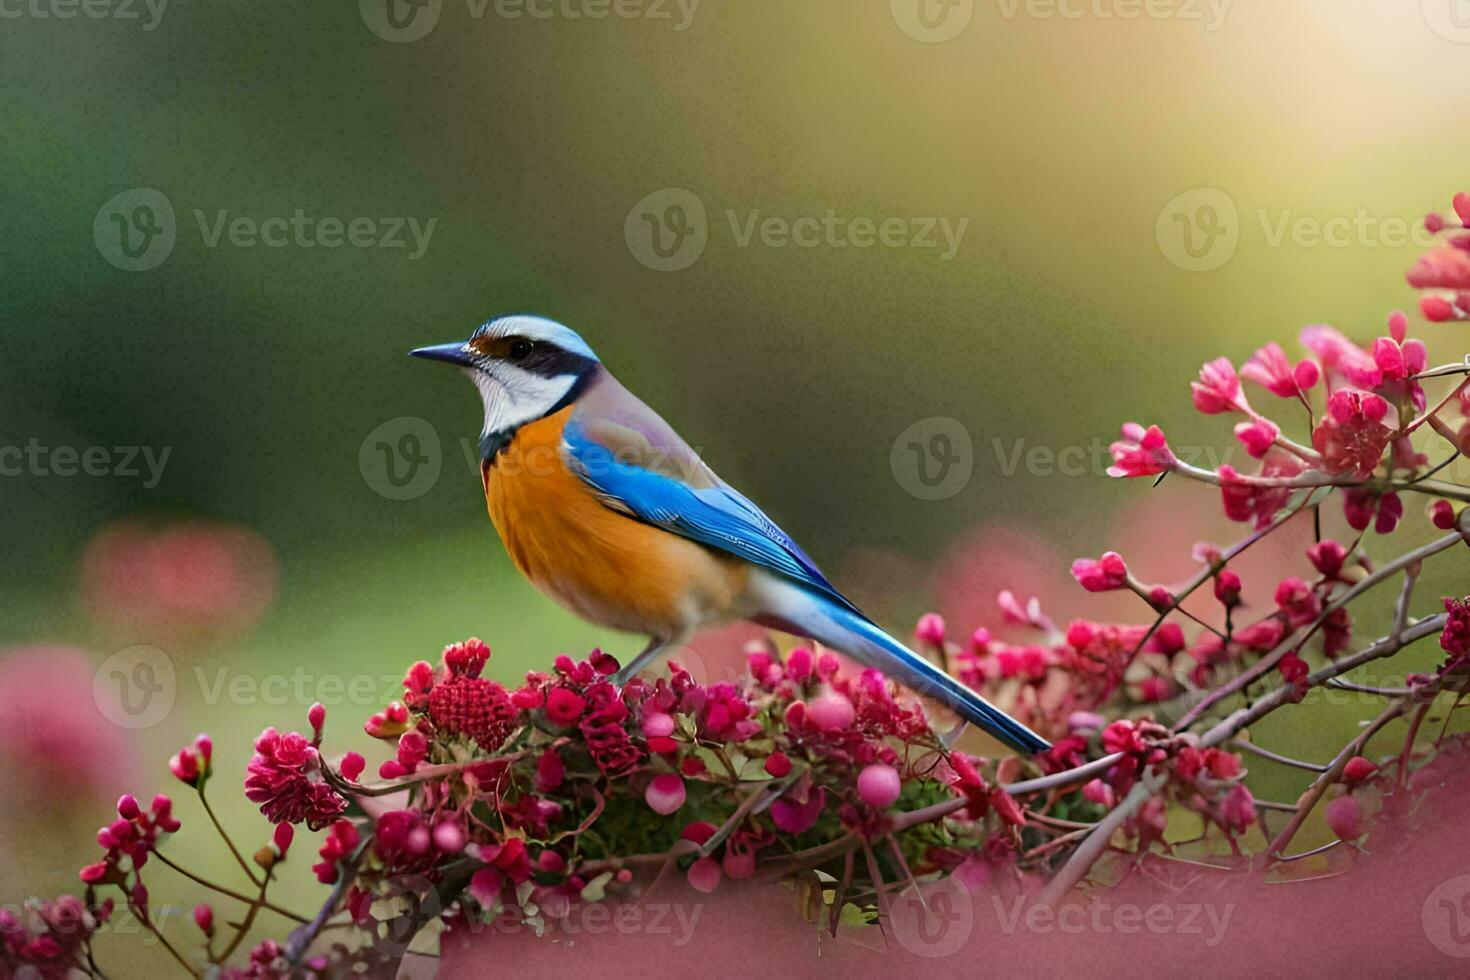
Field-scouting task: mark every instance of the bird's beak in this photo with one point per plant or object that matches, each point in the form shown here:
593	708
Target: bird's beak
449	353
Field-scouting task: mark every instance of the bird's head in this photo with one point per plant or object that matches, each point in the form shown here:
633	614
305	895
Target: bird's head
526	367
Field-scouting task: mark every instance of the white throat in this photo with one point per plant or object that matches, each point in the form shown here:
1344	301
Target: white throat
513	398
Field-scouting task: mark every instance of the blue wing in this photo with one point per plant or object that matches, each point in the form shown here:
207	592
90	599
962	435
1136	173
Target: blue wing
717	515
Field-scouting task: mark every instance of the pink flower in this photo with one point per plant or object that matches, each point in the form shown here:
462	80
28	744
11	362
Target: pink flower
204	918
799	664
132	836
1437	309
1454	639
339	842
352	766
1102	575
1297	601
1257	436
1390	512
57	757
1400	361
879	785
1244	501
391	722
1270	368
1237	811
1227	588
192	582
1358	769
564	706
1261	636
1360	505
1341	359
1141	452
485	886
1168	639
1218	388
778	764
1442	267
1100	792
603	730
1345	817
794	814
704	875
725	716
463	703
665	794
930	630
284	777
830	711
191	765
1327	557
1442	515
1293	668
1353	434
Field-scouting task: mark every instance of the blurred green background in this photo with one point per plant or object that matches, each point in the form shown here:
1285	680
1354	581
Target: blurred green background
529	141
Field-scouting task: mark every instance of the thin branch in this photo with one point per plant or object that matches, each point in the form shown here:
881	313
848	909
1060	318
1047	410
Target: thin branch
1313	794
1300	635
239	858
227	892
1285	760
1096	842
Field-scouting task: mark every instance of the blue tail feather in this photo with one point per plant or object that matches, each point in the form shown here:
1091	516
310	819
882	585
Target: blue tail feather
860	638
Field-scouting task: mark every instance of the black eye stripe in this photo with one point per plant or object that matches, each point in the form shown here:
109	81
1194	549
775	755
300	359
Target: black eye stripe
550	361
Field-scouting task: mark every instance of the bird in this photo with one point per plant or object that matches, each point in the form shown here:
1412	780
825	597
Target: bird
603	507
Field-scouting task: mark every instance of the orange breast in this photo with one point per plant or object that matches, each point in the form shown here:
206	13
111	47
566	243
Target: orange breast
604	566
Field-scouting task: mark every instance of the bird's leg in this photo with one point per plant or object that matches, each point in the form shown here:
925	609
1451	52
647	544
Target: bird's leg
655	647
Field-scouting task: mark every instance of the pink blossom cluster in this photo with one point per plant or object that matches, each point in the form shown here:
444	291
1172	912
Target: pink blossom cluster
49	940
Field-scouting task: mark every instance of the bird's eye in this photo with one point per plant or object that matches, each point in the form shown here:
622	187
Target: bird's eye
520	349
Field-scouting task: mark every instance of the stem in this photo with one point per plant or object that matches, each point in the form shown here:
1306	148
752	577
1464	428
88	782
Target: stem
1314	793
1209	571
1438	408
1444	370
1252	747
239	859
1299	636
301	939
248	921
228	893
1096	842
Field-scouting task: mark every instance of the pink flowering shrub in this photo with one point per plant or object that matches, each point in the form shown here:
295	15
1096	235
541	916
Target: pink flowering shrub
571	788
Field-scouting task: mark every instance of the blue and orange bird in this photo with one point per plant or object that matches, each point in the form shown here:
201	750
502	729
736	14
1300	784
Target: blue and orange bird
604	508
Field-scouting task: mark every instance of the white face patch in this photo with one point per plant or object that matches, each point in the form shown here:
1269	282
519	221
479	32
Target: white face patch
514	397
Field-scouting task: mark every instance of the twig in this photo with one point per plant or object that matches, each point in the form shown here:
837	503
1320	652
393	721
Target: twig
227	892
1300	635
1095	843
1313	794
301	938
1252	747
239	858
